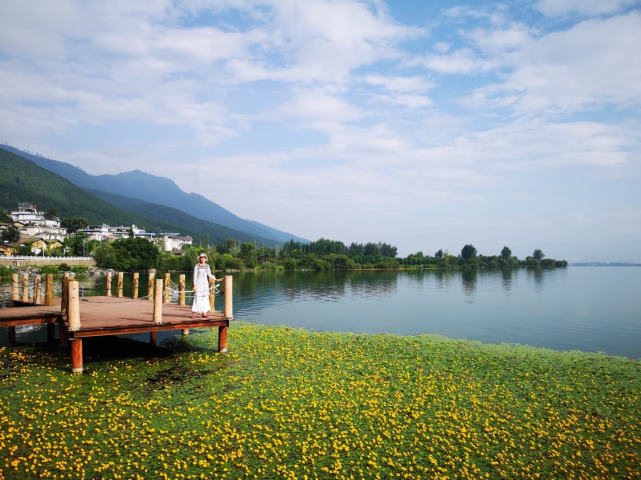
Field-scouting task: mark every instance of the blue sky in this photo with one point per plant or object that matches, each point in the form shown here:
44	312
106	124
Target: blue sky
423	124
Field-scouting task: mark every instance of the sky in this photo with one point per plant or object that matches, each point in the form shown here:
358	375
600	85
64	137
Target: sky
424	124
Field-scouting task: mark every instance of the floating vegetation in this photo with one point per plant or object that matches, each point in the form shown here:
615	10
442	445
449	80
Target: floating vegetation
289	403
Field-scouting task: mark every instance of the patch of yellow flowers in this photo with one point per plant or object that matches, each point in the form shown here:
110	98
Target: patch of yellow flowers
292	404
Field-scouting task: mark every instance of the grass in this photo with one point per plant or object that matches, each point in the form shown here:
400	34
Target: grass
295	404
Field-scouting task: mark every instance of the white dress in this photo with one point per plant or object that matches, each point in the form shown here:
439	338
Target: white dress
202	274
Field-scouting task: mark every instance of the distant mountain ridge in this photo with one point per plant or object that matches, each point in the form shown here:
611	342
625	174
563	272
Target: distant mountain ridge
157	190
23	180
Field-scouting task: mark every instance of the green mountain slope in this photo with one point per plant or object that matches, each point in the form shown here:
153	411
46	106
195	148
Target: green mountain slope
178	217
23	181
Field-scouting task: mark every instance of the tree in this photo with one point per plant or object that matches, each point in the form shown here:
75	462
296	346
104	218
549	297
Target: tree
51	213
439	254
11	234
506	253
4	216
73	224
538	254
468	252
248	254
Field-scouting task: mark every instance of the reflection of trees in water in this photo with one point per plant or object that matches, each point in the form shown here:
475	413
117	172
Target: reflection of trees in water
259	289
506	273
468	280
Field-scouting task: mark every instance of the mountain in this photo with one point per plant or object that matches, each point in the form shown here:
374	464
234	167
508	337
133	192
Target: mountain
157	190
23	180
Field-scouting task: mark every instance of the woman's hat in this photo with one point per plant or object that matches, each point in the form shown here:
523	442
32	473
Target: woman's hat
202	255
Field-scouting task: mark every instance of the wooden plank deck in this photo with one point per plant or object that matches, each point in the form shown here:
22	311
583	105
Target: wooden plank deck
108	315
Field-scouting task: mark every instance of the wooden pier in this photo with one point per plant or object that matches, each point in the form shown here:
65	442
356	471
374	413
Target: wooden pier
97	316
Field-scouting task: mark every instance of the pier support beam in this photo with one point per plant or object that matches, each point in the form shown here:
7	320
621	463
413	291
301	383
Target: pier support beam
181	289
229	302
150	284
222	339
120	283
25	287
15	296
152	338
12	335
63	338
167	287
158	302
134	284
108	282
76	355
36	289
49	289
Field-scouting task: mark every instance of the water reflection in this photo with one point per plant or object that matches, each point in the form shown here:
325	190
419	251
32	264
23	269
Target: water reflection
468	283
506	274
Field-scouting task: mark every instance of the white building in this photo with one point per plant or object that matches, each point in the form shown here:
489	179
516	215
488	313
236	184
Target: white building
171	242
33	223
106	232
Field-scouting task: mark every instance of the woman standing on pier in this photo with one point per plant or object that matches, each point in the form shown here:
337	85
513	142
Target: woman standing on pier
202	274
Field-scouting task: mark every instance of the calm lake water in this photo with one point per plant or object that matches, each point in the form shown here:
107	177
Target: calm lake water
585	308
594	309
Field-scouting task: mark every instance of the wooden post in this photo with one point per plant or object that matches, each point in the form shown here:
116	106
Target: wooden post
76	355
120	283
229	302
109	284
15	296
212	296
167	287
36	289
49	289
134	285
152	338
12	335
25	287
65	293
222	339
158	302
181	289
73	309
63	337
150	285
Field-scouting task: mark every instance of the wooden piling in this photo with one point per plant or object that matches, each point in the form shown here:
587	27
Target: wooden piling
181	289
212	296
152	338
76	355
134	284
222	339
73	308
150	285
12	335
36	289
229	302
167	287
120	284
158	302
109	284
49	289
15	295
65	293
25	287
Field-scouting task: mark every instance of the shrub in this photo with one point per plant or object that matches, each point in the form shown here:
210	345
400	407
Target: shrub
49	269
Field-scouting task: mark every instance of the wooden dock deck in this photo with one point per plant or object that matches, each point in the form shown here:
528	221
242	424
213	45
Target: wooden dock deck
96	316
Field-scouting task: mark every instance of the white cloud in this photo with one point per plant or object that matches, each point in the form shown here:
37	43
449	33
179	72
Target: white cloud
553	8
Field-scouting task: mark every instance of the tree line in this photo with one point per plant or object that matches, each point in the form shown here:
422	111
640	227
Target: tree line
319	255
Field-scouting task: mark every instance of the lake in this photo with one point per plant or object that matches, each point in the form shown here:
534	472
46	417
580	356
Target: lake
595	309
584	308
